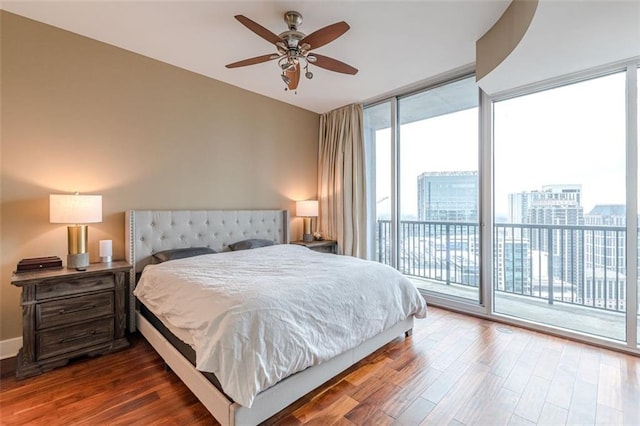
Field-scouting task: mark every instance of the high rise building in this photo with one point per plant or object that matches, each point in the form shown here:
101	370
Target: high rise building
553	205
605	239
605	257
512	266
448	196
607	215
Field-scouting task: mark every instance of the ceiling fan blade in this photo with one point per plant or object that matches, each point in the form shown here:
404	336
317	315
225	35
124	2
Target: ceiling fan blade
333	64
258	29
325	35
294	77
253	61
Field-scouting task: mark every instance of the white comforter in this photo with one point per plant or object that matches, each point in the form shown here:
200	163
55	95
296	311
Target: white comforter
258	316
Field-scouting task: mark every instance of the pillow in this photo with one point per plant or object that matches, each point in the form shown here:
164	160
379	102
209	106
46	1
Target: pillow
181	253
250	244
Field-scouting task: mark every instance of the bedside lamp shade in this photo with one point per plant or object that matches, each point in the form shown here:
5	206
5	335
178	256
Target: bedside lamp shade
76	210
307	209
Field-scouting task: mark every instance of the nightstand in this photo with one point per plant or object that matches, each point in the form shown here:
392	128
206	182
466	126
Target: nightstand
322	246
68	313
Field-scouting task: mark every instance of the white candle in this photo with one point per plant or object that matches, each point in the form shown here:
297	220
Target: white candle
106	250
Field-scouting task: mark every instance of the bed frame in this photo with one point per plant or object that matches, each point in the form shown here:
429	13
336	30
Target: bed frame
150	231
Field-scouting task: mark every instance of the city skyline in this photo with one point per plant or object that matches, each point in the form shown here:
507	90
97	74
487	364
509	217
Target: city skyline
558	136
383	204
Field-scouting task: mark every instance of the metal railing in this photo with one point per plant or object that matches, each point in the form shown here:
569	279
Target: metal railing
576	264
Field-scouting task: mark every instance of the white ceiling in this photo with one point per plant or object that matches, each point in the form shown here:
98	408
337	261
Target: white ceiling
394	44
567	37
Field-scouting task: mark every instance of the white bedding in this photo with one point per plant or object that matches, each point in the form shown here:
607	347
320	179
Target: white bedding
258	316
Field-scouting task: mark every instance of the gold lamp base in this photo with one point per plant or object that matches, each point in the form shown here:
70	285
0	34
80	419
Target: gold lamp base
307	236
78	257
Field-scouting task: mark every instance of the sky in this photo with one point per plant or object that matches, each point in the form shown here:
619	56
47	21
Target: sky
569	135
573	134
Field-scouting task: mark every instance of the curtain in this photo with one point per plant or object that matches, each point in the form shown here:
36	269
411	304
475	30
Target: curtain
341	179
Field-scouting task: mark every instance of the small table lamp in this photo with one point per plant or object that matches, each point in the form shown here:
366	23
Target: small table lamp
307	209
76	209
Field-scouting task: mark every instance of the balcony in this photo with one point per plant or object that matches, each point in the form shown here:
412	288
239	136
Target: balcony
566	276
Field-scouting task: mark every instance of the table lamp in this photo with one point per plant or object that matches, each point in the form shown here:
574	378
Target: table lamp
307	209
77	210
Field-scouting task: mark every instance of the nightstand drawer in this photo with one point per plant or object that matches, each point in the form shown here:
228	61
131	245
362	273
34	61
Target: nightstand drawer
68	339
324	249
76	286
73	310
321	246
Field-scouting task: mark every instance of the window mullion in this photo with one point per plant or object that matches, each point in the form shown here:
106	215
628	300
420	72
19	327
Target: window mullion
486	202
395	182
632	206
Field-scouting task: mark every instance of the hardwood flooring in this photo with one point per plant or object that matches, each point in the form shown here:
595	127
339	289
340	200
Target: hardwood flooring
454	370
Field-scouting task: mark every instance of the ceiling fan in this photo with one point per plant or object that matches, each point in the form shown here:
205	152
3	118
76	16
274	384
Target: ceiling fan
294	48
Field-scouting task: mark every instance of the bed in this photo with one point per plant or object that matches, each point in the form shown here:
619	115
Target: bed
149	232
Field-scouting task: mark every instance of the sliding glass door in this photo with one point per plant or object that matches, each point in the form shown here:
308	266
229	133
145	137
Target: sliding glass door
438	236
560	206
427	186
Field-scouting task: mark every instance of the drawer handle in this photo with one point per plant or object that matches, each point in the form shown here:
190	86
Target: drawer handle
70	311
78	337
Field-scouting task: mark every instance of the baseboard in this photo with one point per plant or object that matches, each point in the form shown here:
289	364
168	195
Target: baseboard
10	347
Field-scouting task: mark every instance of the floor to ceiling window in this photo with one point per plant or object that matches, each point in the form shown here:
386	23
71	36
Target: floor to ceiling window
559	206
438	238
557	185
434	228
377	124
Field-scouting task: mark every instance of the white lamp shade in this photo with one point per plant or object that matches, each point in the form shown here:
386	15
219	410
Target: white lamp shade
307	208
74	208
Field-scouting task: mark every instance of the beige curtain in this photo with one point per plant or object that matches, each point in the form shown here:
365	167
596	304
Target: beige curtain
341	179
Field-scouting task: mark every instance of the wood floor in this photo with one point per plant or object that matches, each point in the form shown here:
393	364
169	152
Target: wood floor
455	370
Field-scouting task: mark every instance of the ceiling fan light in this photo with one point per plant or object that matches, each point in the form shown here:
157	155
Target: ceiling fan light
288	65
309	75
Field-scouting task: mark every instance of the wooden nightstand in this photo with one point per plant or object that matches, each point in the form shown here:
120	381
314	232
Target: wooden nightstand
322	246
68	313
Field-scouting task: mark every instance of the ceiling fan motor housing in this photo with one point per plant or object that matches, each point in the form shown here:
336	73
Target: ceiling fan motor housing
292	38
293	19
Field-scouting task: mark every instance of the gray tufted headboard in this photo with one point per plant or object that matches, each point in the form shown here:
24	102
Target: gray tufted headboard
150	231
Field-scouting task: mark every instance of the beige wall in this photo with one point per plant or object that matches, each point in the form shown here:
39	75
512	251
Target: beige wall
80	115
497	43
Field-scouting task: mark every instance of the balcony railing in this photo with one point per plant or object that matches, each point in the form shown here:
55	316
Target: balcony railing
580	265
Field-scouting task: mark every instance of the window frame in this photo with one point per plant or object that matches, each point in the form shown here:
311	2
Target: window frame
484	307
